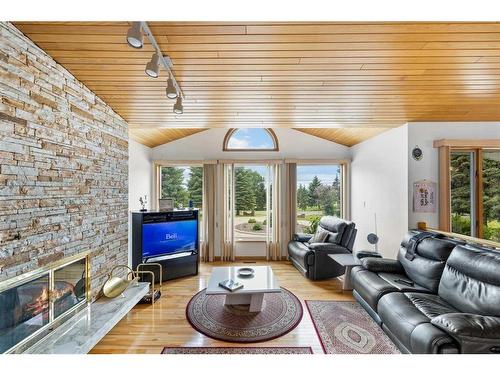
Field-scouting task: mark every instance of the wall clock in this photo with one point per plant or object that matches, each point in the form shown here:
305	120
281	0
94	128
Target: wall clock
417	153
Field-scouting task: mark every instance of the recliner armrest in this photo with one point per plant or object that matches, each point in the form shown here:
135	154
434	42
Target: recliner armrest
382	265
302	237
327	247
474	333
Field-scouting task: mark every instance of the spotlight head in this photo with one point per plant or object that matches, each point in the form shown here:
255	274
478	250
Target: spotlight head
171	90
178	107
134	35
153	66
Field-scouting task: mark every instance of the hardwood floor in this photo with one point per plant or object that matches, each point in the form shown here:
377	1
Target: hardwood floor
147	329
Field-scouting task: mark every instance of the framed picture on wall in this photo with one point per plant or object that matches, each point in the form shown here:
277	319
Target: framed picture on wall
424	196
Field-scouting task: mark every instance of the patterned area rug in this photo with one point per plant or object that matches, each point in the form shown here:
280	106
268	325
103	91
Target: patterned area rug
282	312
234	350
346	328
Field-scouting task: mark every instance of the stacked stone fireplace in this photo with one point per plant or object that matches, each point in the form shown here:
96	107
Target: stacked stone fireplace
63	167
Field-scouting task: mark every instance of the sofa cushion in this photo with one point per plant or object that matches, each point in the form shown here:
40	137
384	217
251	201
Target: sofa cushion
370	286
475	333
427	266
335	226
400	316
410	326
431	305
301	253
471	281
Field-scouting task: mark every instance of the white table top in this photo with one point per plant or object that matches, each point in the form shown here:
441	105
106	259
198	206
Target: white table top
263	280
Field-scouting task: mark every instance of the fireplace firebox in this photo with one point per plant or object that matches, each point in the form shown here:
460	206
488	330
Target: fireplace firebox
34	303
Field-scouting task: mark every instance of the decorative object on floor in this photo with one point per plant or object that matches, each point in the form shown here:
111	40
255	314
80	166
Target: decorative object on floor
114	285
207	314
245	272
143	202
238	350
153	294
346	328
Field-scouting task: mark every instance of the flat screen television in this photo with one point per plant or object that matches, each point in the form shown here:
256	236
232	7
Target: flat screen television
170	237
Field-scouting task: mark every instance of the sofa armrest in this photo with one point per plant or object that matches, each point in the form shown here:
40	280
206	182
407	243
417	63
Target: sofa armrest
328	248
474	333
367	254
302	237
382	265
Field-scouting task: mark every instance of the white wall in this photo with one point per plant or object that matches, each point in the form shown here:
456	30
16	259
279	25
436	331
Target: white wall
423	134
140	178
379	185
140	172
207	145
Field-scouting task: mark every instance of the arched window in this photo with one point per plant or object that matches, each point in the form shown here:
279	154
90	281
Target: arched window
250	139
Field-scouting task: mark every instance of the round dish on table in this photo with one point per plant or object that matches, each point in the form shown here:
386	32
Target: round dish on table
245	272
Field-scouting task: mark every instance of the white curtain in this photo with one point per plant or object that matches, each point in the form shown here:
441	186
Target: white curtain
290	202
226	211
209	219
274	209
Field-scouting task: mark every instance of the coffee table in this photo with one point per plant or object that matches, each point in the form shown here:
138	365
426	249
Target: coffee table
263	281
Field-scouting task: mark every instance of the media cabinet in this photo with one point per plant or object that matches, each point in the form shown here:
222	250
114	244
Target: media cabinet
175	265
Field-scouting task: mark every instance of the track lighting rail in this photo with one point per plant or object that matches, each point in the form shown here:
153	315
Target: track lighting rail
135	36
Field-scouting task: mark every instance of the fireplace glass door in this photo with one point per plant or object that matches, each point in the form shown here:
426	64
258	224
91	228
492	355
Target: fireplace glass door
69	287
24	309
35	302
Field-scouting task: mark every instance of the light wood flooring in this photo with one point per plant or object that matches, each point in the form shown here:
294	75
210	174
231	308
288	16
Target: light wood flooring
147	329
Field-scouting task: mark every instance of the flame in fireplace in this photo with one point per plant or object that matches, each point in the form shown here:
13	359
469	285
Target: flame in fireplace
39	304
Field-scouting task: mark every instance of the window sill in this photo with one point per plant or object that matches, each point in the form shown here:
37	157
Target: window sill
248	240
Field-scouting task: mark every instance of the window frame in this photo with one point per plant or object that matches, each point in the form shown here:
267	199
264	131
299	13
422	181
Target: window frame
476	147
231	131
344	166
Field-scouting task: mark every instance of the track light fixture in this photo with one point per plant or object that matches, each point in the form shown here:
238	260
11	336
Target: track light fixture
171	90
178	108
153	66
134	35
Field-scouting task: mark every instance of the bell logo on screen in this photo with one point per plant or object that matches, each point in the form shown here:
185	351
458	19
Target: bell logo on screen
170	236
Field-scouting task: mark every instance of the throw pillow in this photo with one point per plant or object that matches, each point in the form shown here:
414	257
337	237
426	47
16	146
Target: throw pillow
320	236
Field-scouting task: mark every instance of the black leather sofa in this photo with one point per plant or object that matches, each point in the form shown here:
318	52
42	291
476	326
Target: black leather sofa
311	259
439	296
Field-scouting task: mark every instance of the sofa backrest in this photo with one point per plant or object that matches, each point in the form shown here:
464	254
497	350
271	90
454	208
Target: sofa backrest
471	280
340	231
428	264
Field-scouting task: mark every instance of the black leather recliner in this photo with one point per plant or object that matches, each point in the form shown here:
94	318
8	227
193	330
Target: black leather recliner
439	296
311	259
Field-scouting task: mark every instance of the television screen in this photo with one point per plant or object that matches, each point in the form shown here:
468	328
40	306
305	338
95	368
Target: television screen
169	237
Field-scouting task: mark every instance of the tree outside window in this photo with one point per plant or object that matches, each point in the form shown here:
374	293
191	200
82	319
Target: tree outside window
318	194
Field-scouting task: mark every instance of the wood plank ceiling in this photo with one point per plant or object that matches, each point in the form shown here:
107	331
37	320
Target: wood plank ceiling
366	76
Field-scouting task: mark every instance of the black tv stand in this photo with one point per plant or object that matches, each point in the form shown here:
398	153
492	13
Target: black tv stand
175	265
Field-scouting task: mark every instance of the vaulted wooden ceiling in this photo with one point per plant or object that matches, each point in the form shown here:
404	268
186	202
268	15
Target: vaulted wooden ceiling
299	75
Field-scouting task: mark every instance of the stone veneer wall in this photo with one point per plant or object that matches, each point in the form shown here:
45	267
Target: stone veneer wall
64	166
